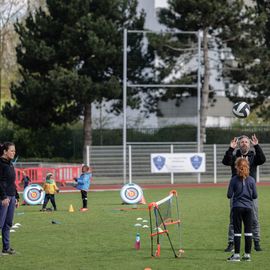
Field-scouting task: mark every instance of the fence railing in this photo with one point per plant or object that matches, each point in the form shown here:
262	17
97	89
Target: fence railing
38	174
107	164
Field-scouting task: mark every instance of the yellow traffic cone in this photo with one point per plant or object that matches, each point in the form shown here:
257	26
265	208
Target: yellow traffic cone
71	209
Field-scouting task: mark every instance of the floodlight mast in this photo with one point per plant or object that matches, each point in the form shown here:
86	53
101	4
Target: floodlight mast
197	85
125	107
199	100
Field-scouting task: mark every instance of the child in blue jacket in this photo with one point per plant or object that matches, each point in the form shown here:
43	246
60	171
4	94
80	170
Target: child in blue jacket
83	185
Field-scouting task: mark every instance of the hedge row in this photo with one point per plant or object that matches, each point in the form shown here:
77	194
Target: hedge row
65	144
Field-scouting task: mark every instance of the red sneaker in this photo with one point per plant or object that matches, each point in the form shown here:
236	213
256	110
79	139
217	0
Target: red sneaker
84	209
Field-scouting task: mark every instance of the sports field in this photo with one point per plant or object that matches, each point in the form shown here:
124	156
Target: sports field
103	237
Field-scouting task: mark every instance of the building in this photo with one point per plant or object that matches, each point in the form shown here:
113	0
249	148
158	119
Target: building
219	112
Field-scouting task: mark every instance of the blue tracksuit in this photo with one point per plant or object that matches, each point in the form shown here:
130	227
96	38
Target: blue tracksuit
84	181
243	191
83	185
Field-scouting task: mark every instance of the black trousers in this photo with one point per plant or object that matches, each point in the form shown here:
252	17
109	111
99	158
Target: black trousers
49	197
242	215
84	198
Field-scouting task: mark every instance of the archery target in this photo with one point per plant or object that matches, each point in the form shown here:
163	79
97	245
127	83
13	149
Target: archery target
33	194
131	193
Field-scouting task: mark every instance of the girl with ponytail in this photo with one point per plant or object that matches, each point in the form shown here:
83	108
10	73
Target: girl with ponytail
242	189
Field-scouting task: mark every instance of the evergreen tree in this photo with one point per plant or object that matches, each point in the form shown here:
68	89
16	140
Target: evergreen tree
219	21
70	56
252	62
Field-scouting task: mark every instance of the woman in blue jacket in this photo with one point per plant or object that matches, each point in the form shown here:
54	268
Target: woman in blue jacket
83	185
242	189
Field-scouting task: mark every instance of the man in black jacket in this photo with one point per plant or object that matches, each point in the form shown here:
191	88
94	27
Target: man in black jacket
255	159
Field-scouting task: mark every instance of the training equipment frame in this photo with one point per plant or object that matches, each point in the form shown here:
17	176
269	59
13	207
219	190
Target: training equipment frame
162	221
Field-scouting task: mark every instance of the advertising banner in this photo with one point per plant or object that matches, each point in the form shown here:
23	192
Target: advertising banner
178	163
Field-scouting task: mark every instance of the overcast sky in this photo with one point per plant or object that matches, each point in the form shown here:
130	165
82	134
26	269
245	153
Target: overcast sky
161	3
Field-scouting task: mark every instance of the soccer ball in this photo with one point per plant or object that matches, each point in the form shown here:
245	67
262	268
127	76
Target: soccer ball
241	109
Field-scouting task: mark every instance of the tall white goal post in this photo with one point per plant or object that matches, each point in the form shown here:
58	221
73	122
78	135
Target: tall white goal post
126	85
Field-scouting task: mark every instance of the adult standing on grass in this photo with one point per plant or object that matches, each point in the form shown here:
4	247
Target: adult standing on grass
255	159
242	190
9	196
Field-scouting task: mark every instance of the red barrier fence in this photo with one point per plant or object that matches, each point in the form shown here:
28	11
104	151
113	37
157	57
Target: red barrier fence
38	175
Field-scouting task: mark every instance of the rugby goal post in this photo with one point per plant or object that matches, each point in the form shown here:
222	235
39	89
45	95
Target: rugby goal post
127	83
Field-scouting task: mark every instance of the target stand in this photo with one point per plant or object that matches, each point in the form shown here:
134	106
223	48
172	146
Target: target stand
131	194
33	194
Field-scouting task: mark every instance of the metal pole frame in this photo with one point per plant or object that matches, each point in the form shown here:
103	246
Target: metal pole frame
125	85
125	107
199	100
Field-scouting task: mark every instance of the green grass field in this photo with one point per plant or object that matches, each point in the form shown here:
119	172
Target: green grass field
103	237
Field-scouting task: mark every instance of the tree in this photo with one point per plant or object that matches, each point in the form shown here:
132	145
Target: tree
252	62
70	56
216	20
9	12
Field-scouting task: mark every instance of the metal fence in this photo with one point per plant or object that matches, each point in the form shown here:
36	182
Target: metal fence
107	164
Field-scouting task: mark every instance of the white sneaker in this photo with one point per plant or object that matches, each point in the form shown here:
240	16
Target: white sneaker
246	257
234	258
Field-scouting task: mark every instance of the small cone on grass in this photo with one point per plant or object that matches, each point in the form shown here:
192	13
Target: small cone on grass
71	209
143	201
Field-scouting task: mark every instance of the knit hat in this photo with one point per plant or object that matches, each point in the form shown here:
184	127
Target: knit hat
48	180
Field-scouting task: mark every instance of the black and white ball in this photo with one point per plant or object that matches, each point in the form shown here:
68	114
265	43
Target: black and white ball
241	109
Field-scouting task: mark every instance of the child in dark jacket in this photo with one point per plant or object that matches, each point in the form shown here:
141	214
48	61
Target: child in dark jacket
83	185
25	181
242	189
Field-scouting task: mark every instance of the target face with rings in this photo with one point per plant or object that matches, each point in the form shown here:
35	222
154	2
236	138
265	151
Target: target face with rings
131	193
33	194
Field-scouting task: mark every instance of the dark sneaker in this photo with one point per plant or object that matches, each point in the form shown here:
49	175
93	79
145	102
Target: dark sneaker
257	246
229	248
234	258
246	258
9	251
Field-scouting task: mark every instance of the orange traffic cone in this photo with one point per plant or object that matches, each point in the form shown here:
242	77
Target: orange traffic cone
143	201
71	209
